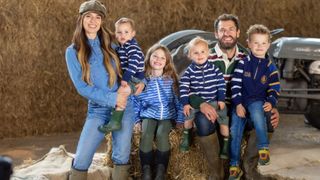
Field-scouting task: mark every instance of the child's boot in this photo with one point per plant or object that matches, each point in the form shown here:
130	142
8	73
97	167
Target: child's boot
186	140
235	173
264	156
224	153
114	124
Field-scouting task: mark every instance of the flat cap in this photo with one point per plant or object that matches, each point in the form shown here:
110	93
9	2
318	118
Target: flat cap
93	5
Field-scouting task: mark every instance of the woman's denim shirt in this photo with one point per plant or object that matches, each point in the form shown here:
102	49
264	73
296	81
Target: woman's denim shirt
99	91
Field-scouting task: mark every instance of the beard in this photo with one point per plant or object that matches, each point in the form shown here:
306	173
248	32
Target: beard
229	45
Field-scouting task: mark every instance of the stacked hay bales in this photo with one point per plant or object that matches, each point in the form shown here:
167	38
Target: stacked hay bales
37	96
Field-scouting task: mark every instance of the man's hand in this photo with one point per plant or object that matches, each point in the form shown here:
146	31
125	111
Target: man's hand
241	111
139	88
275	117
209	112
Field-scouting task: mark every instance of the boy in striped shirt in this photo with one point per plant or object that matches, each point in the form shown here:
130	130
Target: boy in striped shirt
255	89
132	66
204	80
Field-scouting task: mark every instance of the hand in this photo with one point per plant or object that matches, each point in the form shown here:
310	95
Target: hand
139	88
124	83
267	106
186	109
275	117
241	111
122	96
188	124
179	125
209	112
221	105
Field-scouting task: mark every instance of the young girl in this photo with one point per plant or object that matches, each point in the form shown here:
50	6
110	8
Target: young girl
156	107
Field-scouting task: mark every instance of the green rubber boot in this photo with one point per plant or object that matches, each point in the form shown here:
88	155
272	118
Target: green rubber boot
186	140
114	123
224	153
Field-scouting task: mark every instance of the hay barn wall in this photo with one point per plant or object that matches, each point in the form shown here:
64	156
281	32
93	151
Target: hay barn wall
37	96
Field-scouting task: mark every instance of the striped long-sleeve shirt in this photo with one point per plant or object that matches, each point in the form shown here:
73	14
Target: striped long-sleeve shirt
255	79
158	101
205	81
225	65
132	60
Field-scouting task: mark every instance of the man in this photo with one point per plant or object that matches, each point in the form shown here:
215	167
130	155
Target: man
226	55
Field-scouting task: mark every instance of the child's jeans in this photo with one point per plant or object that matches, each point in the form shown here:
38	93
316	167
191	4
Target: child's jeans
256	116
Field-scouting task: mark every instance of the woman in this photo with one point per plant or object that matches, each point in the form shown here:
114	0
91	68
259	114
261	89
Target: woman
94	69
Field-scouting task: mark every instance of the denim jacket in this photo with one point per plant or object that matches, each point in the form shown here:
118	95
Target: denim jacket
99	91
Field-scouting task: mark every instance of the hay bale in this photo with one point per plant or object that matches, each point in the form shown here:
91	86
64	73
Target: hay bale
182	165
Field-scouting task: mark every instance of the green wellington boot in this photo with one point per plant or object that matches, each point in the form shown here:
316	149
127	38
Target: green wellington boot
114	123
186	140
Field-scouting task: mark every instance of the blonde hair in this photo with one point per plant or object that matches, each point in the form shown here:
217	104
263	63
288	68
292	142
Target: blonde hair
258	29
195	41
124	20
83	49
169	70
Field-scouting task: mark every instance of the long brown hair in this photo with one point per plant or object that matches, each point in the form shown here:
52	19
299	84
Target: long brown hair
84	51
169	70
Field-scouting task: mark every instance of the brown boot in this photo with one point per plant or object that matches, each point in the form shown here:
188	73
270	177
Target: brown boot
210	147
120	172
77	175
250	159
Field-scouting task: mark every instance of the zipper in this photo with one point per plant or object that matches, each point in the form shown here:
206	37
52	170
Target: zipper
159	97
255	74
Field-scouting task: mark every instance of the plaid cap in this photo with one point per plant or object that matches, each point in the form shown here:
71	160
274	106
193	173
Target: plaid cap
93	5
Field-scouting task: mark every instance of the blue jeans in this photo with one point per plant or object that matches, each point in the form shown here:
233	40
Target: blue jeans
91	138
257	117
204	126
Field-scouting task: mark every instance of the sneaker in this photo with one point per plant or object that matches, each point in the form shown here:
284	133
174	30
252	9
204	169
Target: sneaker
264	157
235	173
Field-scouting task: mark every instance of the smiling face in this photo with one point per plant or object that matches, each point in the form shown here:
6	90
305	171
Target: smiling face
227	34
158	60
124	32
199	53
91	24
259	44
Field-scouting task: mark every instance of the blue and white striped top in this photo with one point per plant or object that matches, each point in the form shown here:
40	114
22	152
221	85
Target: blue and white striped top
158	101
132	60
203	80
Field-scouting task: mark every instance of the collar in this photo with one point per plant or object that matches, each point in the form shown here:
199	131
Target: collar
220	53
94	42
200	66
128	43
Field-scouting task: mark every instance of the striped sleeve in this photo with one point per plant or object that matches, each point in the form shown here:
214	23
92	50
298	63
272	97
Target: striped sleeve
236	84
137	109
184	87
179	109
135	61
221	85
274	84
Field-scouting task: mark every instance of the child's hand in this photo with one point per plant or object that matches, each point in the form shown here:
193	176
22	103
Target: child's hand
179	125
267	106
122	96
188	124
241	111
186	109
137	127
139	88
124	83
221	105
